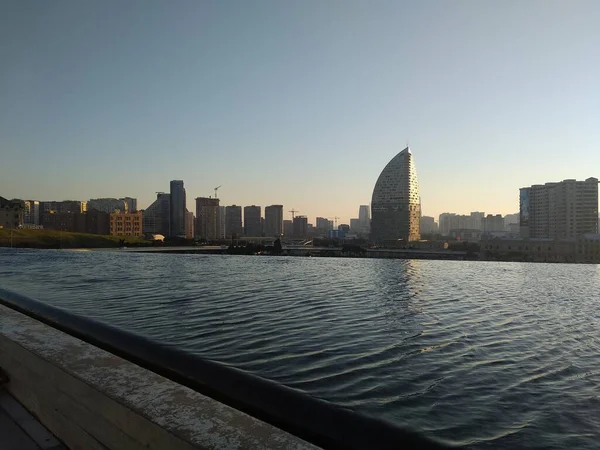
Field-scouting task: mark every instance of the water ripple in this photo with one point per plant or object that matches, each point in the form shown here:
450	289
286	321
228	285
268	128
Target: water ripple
485	355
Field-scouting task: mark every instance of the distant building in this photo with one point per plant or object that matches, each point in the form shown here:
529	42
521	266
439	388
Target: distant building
93	221
11	213
156	218
108	205
178	208
562	210
344	229
364	219
221	222
355	225
493	223
323	225
465	235
395	204
300	226
288	228
65	221
207	218
96	222
189	224
510	219
274	221
131	203
252	222
428	225
73	206
452	221
583	249
233	221
31	212
126	224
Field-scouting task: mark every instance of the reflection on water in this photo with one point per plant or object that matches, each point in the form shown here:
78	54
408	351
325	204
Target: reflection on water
495	355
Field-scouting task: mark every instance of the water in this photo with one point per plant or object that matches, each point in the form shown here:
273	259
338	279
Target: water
487	355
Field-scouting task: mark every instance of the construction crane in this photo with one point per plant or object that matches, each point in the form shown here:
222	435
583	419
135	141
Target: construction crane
216	189
294	211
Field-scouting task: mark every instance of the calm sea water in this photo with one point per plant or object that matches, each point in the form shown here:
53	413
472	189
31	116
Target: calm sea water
488	355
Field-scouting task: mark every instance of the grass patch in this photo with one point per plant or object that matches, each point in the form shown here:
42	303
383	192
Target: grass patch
63	239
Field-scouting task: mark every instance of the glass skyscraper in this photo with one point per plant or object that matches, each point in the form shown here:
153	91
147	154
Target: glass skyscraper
395	205
178	209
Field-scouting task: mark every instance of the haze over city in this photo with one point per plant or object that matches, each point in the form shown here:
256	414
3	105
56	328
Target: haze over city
300	104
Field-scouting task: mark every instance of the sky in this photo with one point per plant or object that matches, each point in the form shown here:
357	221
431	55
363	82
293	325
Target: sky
297	103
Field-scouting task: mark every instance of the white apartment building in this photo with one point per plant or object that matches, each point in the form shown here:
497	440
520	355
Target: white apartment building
563	210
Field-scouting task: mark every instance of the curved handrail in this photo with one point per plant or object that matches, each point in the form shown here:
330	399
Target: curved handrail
314	420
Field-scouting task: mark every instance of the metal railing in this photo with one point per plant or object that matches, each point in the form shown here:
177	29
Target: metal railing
317	421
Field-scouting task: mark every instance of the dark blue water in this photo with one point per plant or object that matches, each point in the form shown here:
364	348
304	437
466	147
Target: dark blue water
489	355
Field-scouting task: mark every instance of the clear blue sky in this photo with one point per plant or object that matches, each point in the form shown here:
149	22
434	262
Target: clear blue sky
300	103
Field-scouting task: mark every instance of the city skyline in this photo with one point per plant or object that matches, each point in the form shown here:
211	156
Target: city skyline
117	98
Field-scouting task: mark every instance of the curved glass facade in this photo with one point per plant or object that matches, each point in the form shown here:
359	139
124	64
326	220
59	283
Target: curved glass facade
395	206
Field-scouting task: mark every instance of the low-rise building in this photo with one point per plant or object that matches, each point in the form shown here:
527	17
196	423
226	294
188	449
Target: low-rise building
585	249
126	224
465	235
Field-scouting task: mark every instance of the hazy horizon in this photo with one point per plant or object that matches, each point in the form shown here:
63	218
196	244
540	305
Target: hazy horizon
301	104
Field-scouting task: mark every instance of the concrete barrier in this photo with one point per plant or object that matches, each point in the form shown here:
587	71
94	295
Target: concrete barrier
91	399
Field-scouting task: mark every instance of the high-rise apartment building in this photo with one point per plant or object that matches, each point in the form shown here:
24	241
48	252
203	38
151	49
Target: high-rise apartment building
11	213
126	224
274	221
31	213
178	208
300	226
233	221
189	224
74	206
562	210
221	222
252	221
451	221
323	225
510	219
395	205
207	218
493	223
428	225
108	205
157	217
131	203
288	228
